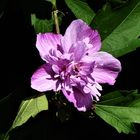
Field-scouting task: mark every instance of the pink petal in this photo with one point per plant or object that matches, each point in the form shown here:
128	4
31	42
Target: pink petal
46	42
106	68
78	30
86	68
81	100
42	80
78	49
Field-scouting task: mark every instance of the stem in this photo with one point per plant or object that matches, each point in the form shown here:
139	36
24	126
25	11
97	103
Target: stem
56	21
55	12
6	137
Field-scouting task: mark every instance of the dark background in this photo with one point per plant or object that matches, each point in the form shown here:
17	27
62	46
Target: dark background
19	58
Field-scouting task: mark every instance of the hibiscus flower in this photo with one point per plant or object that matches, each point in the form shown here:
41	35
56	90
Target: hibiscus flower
74	64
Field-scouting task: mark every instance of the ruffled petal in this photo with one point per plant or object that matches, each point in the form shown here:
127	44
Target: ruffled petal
93	89
42	79
81	100
106	68
47	41
78	30
86	68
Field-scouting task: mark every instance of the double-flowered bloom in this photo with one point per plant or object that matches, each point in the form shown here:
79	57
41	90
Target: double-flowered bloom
74	65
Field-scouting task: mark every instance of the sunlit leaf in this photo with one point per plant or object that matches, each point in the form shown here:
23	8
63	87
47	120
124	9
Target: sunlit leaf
52	1
30	108
119	28
81	10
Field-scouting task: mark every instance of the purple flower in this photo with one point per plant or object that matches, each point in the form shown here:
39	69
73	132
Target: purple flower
74	65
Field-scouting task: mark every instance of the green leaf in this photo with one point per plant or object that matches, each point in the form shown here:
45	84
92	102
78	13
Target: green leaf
119	98
115	4
30	108
81	10
42	25
135	103
118	1
119	28
123	116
